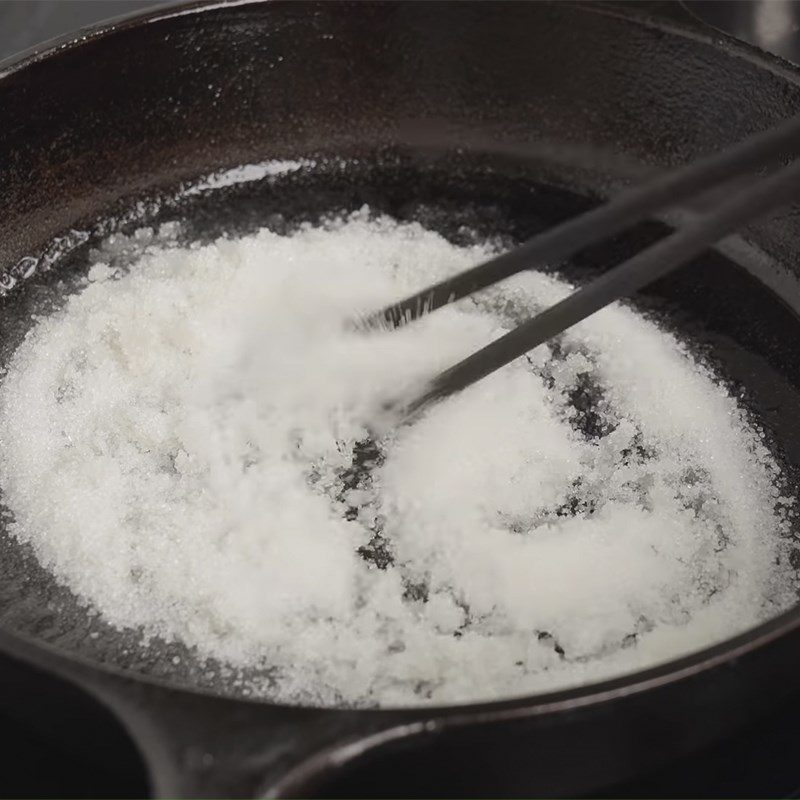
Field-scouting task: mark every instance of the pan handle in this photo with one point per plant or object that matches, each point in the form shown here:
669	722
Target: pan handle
205	746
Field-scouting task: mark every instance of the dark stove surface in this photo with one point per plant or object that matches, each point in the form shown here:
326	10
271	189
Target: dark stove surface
56	742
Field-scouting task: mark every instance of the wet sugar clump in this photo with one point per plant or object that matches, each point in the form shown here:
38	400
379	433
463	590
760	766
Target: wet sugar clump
180	444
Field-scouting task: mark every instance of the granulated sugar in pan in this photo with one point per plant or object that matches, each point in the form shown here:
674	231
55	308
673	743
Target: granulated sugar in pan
177	447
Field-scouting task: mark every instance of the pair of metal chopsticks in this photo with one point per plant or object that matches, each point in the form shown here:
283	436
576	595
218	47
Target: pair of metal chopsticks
561	241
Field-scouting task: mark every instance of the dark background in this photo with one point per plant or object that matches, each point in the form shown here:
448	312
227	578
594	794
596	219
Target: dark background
56	742
24	23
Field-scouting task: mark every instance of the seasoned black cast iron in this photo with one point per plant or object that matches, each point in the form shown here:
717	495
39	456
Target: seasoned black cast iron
501	116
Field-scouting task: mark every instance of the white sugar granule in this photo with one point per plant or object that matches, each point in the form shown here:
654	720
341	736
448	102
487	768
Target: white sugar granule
177	444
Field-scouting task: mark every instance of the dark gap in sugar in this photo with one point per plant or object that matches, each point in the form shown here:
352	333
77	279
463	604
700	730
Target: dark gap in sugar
416	591
587	401
367	455
638	453
377	551
577	501
548	640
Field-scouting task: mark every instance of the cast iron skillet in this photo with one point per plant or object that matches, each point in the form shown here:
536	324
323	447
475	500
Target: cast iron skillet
500	117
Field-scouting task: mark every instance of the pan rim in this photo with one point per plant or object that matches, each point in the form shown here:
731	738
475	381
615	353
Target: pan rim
662	674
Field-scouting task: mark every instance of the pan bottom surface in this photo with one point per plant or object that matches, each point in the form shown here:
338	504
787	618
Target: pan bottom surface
718	305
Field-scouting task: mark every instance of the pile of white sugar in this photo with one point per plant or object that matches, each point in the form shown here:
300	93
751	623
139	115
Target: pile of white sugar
176	444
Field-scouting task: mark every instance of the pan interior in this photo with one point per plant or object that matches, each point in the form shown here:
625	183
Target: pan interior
720	304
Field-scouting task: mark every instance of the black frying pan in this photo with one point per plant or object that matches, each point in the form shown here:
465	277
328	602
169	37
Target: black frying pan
504	117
